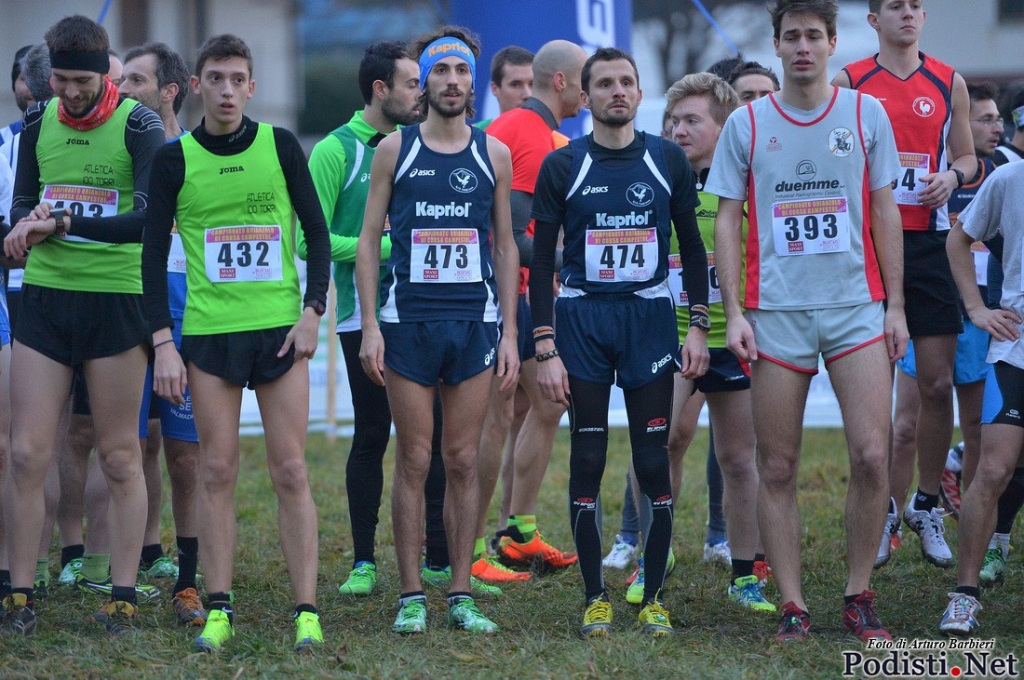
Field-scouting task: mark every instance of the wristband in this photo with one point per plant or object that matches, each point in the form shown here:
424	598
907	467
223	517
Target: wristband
547	355
162	343
959	177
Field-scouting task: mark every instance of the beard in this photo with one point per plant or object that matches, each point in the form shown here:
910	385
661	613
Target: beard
614	119
398	115
436	102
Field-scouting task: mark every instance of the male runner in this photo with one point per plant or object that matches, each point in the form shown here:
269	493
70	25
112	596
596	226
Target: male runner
816	164
232	188
511	79
927	103
616	193
443	186
80	200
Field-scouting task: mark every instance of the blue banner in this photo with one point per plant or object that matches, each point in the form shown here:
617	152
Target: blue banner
530	24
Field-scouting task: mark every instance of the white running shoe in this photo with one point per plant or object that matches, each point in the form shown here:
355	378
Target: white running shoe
621	554
892	526
718	555
931	530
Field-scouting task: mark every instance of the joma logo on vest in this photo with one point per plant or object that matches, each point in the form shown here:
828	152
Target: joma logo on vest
437	211
77	142
231	168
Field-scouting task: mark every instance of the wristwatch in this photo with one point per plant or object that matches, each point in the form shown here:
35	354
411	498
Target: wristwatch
58	216
319	307
700	321
959	177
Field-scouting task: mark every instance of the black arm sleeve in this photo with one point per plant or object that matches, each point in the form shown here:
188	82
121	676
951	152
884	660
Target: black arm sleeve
26	178
522	204
542	272
311	215
166	181
693	256
143	136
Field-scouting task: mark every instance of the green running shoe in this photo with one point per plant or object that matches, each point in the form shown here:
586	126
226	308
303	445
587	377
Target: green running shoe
597	619
654	620
442	578
308	635
361	580
105	588
69	574
635	591
216	632
412	616
746	592
466	615
992	568
162	567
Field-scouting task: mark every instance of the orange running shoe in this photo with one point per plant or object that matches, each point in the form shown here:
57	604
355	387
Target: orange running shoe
490	570
762	571
535	555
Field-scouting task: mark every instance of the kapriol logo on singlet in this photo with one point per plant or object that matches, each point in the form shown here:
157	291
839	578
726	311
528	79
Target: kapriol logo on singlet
463	180
630	219
923	106
439	210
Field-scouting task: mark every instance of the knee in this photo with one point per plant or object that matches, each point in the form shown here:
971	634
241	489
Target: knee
652	472
460	464
938	388
870	466
24	465
289	476
990	479
219	474
777	472
737	465
183	466
121	465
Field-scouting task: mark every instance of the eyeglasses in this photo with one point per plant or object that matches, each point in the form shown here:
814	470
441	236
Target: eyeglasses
988	121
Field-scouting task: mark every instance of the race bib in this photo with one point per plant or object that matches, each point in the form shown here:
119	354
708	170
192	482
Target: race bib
621	255
176	256
675	281
244	253
981	255
909	185
445	256
81	202
811	227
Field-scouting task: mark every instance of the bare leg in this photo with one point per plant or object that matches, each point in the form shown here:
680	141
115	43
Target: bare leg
534	444
735	445
969	398
183	469
154	481
934	355
904	438
492	442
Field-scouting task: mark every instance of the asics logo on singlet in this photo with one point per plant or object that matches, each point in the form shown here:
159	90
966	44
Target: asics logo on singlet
594	190
416	172
437	211
489	357
231	168
632	219
78	142
660	362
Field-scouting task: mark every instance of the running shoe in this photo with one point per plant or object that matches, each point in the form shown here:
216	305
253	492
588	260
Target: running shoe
597	619
442	578
308	635
718	555
860	619
40	589
635	591
535	555
119	617
654	620
188	608
929	527
746	592
949	485
763	571
69	574
216	632
106	588
412	617
992	568
361	580
621	554
961	615
162	567
892	525
491	570
466	615
19	619
636	571
795	624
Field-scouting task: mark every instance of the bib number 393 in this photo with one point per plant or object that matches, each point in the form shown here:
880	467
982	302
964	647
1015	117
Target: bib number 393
621	255
811	227
445	256
245	253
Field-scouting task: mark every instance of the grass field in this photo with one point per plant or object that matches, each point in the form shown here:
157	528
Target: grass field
539	620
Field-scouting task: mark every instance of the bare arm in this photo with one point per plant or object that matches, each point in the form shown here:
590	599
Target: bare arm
382	171
960	145
887	234
728	261
506	261
1000	323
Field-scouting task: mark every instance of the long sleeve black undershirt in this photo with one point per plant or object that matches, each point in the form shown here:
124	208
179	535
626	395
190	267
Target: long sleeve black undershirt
168	177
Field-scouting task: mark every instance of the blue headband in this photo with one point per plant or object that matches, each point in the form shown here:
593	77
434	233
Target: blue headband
441	48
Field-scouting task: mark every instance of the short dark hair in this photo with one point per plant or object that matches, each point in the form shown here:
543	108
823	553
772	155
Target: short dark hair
16	69
35	66
465	35
723	67
874	6
979	92
170	68
77	33
826	10
513	55
752	68
378	63
605	54
223	46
